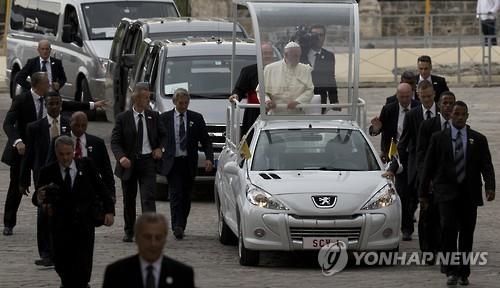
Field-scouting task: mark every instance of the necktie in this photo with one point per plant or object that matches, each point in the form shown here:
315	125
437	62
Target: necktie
67	179
39	114
446	125
428	114
140	136
54	129
182	133
78	149
459	158
406	110
150	277
316	58
44	66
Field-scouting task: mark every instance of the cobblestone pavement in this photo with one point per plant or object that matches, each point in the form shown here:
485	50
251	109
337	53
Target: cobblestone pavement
217	265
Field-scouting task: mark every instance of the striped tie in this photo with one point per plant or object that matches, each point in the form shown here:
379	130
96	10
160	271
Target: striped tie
459	158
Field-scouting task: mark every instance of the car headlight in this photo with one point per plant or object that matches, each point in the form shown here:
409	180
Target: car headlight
263	199
383	198
103	65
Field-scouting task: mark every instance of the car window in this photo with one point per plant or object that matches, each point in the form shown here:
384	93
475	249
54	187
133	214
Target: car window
101	24
194	34
39	16
207	76
313	149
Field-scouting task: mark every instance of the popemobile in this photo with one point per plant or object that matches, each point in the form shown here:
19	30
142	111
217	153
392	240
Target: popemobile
304	175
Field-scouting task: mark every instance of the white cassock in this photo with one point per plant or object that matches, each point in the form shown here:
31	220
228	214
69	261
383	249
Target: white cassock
285	84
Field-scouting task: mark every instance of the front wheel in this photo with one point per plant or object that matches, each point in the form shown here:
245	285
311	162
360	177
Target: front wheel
226	236
247	257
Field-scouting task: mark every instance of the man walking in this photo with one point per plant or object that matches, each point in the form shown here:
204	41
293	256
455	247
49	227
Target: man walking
185	129
136	141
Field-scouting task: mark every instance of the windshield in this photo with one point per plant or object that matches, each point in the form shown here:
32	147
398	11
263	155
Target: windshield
313	149
101	24
206	76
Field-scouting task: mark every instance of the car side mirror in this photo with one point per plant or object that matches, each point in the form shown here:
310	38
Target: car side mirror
67	37
231	168
128	60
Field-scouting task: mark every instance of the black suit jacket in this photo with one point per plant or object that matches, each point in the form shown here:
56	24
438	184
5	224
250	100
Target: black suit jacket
323	75
389	118
33	65
427	128
124	135
407	145
126	273
196	133
439	84
22	112
74	208
440	169
247	81
39	148
96	150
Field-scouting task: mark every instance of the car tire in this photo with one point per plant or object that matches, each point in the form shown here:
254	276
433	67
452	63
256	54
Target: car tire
247	257
226	236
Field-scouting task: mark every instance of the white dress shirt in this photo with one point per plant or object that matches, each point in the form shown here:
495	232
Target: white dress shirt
401	118
178	151
156	270
432	109
485	6
146	146
443	121
83	143
420	79
49	68
311	56
72	172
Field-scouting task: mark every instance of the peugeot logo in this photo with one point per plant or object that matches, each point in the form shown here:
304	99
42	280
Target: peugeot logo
324	201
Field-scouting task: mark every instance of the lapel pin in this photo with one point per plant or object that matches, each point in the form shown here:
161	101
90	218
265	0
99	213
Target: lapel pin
149	117
80	173
63	129
90	148
471	141
191	123
52	63
169	280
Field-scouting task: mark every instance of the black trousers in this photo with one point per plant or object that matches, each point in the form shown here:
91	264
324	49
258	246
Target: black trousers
180	183
13	199
43	233
73	254
144	174
409	201
458	221
489	29
429	229
324	94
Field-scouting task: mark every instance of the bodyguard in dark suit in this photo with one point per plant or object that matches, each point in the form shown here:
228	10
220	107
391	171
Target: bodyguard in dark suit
93	147
25	108
323	63
69	189
43	63
407	149
390	121
456	160
429	232
39	145
150	268
406	77
185	129
424	64
136	141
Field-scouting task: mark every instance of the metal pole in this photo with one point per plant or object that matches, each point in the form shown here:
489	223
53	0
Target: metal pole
489	60
395	70
459	60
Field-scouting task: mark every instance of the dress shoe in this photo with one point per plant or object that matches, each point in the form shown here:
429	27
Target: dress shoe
7	231
128	238
406	236
45	262
464	281
178	233
452	280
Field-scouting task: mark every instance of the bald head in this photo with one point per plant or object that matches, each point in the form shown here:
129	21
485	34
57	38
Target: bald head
78	123
44	49
267	53
403	94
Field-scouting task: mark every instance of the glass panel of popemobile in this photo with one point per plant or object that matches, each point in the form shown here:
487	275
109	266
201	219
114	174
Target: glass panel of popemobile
319	41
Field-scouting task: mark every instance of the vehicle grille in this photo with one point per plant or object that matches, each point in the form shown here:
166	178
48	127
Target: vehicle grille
352	233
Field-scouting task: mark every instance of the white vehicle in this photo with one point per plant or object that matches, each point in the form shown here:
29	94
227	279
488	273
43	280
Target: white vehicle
300	181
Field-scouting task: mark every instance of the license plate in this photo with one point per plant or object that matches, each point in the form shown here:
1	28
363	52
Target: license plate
318	242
